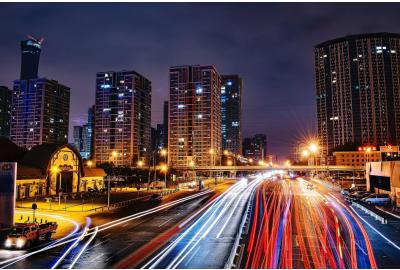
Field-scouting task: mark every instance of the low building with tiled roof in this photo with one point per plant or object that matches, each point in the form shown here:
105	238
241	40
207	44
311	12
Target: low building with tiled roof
49	169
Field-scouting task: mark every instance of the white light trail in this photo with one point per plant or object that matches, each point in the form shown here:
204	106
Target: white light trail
84	248
375	230
105	226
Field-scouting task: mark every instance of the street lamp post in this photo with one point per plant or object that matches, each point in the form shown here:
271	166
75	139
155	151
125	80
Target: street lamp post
56	171
164	168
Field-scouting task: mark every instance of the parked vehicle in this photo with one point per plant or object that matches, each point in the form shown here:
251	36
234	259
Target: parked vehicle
359	194
23	235
378	199
345	192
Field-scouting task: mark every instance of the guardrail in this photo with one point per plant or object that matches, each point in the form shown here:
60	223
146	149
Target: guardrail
370	212
236	254
127	202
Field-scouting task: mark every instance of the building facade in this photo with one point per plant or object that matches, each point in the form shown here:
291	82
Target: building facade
363	155
122	118
255	147
40	112
5	111
83	136
358	90
165	123
82	140
30	55
194	132
49	169
157	137
231	113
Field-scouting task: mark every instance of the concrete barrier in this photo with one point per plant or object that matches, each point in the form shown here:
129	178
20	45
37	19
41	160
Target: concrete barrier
370	212
237	251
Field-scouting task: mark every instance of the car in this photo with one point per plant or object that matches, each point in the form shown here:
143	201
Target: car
155	198
23	235
345	192
357	195
378	199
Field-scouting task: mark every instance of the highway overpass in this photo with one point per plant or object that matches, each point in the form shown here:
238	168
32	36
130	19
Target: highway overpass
269	168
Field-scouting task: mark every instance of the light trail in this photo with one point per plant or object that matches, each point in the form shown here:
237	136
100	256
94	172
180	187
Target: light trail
183	246
84	248
108	225
73	245
376	230
51	245
327	233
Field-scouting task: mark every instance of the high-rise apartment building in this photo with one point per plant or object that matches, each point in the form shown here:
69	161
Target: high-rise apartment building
83	136
40	112
80	139
231	113
5	111
358	91
165	124
255	147
30	55
194	116
122	118
90	131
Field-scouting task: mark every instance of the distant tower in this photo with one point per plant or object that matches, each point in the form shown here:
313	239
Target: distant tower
194	116
122	118
231	113
358	91
30	54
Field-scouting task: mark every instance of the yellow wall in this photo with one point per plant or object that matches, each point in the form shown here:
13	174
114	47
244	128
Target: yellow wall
64	158
33	184
92	182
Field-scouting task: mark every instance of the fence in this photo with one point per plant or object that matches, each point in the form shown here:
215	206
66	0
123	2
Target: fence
370	212
128	202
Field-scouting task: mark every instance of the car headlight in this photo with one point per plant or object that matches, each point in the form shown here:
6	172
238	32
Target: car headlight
20	243
8	243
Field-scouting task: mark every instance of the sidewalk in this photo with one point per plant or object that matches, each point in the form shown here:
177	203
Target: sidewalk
70	216
86	204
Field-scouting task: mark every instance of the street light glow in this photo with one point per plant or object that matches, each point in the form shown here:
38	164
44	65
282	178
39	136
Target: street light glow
55	169
163	152
313	147
140	163
164	168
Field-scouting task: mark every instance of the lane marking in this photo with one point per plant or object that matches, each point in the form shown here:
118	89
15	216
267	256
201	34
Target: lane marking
376	230
165	222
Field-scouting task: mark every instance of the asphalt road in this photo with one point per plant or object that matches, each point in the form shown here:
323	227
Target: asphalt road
207	242
296	225
120	234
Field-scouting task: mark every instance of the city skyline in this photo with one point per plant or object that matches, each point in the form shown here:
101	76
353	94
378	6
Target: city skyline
259	54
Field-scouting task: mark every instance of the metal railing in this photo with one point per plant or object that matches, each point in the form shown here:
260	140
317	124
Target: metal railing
370	212
117	205
236	254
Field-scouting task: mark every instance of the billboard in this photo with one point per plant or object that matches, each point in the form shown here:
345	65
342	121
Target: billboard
8	177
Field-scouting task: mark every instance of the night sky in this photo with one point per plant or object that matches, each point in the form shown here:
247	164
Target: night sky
270	45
